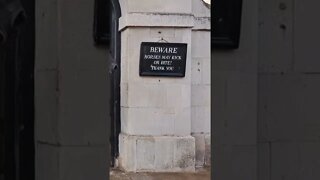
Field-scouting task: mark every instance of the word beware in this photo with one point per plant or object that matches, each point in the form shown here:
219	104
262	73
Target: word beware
173	50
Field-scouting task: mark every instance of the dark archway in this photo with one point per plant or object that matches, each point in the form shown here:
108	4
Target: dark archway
106	25
17	89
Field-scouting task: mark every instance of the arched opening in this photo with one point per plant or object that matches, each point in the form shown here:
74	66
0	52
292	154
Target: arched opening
17	90
107	14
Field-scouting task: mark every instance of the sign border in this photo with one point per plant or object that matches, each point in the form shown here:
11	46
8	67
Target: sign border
162	74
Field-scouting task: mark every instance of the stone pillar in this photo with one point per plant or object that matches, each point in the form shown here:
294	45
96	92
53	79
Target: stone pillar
201	83
155	111
71	89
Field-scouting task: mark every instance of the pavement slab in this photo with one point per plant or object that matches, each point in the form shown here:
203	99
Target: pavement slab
199	174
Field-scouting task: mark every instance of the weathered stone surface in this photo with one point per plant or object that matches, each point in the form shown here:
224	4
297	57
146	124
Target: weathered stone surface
203	149
164	153
184	154
200	149
145	154
199	9
207	158
157	153
127	151
201	119
201	44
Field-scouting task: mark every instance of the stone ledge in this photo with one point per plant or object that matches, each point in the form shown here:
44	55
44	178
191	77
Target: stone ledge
156	153
165	20
156	20
162	6
202	23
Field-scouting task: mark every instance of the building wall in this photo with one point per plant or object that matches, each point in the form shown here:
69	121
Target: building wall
265	95
71	93
288	121
234	103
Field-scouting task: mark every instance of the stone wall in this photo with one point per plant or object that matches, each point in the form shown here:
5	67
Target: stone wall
234	91
71	89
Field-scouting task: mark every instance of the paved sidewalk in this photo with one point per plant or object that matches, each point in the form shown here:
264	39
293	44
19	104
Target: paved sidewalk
200	174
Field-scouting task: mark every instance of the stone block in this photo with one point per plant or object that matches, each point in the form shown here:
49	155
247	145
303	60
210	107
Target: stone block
294	160
309	161
146	95
46	116
136	35
46	28
207	158
164	147
273	39
76	44
203	149
46	162
184	35
157	153
166	124
125	122
124	94
196	71
200	119
306	50
83	163
200	149
202	23
127	152
285	161
240	160
264	160
200	95
184	154
239	155
164	6
178	95
162	32
124	43
79	123
237	93
206	72
145	154
289	99
182	121
149	121
124	70
201	44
